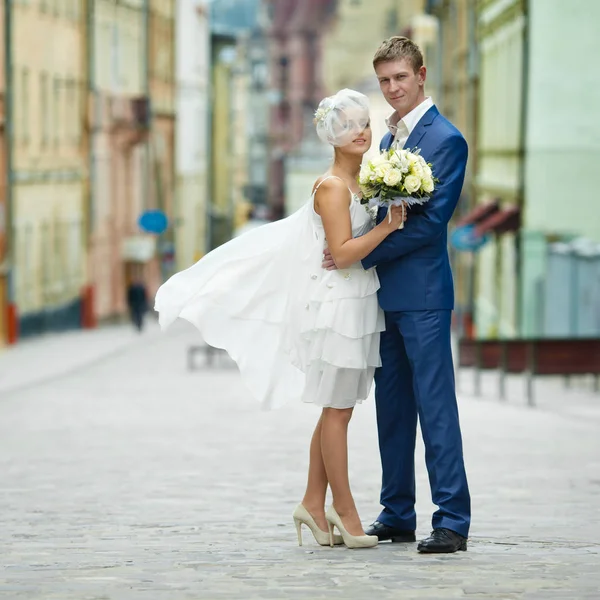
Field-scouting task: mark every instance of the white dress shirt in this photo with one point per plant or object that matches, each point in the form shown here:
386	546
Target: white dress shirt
402	128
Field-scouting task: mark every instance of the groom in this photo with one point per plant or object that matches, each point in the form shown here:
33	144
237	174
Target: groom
417	296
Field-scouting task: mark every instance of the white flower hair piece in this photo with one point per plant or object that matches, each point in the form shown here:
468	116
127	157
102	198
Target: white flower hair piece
321	113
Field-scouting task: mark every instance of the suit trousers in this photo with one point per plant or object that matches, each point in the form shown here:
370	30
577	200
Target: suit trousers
416	380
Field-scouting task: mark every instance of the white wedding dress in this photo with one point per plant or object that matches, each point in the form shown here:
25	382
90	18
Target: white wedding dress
295	330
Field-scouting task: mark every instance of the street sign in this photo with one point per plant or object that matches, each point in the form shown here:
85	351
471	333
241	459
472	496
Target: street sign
464	239
139	248
153	221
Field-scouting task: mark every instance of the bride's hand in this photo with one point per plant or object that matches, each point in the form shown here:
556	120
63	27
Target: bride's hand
328	263
398	217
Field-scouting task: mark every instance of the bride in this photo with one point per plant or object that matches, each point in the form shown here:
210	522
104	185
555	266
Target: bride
295	330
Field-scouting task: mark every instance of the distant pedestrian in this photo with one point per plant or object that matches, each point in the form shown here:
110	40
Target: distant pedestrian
137	301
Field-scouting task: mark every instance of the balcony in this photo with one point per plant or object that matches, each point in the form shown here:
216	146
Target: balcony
130	112
130	119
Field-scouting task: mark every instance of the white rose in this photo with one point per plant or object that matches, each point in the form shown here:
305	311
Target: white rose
384	168
365	174
416	169
412	183
379	172
378	160
427	183
427	170
396	159
392	178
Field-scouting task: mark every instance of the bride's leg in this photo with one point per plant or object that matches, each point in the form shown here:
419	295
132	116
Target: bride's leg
316	488
334	447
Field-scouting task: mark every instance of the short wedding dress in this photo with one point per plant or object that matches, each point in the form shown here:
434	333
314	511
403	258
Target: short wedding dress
295	330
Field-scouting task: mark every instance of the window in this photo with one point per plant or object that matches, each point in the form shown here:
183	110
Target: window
56	120
76	7
44	108
72	111
24	102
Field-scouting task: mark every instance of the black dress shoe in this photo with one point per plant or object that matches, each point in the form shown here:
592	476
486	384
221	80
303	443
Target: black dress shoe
442	541
385	532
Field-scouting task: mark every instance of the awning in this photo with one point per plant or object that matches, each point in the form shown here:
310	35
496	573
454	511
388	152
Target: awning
479	213
502	221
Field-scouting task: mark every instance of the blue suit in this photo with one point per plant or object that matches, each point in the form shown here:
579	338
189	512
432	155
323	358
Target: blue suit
417	374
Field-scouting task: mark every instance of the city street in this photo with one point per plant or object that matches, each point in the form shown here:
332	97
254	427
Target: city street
125	476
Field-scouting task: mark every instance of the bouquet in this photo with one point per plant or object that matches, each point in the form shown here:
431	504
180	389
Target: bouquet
396	178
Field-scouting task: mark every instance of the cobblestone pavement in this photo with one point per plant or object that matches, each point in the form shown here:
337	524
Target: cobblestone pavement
131	477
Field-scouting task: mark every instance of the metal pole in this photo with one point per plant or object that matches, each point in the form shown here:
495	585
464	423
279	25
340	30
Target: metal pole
503	368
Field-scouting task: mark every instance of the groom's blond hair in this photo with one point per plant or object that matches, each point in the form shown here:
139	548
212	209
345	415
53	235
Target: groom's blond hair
398	48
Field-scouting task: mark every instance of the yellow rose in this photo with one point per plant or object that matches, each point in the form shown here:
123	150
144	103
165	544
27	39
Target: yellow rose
412	183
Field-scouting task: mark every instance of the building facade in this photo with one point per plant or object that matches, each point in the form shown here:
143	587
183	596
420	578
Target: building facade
255	50
232	25
536	275
48	164
162	88
559	251
119	158
191	157
296	83
5	337
456	81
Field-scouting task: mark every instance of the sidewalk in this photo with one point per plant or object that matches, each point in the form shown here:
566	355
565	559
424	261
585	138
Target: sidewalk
37	360
131	477
577	400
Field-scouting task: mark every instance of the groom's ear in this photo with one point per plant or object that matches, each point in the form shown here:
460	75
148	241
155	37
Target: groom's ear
422	75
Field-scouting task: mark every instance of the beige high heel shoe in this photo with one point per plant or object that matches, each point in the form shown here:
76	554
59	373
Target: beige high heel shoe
303	517
351	541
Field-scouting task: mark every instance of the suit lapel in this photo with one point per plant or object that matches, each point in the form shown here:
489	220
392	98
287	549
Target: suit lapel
386	142
414	139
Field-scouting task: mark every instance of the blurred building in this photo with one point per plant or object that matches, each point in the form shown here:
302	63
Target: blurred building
296	84
348	57
232	21
193	76
4	217
455	77
251	122
119	120
162	86
48	164
539	272
223	138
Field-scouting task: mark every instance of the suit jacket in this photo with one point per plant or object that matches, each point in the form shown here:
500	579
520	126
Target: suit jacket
413	264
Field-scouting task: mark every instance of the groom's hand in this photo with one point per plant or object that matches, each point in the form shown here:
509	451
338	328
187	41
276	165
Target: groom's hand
328	262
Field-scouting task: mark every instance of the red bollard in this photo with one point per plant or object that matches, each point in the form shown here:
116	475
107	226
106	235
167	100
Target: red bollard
88	316
12	324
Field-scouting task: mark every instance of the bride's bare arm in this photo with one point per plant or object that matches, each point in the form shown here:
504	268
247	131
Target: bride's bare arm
331	202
